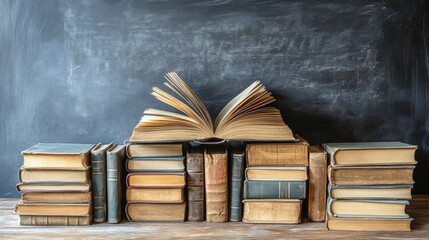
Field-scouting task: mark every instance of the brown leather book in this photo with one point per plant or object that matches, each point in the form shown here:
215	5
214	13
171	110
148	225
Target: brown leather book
195	170
280	211
277	154
216	181
372	175
55	220
162	212
317	183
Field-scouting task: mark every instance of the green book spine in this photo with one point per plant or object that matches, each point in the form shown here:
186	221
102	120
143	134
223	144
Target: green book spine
274	189
236	188
114	162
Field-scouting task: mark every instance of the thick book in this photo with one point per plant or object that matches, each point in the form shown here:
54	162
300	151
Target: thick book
54	187
368	224
216	183
236	186
370	153
277	154
115	158
195	173
155	195
391	192
156	180
58	156
246	117
285	211
135	150
41	175
53	209
371	175
158	164
55	220
276	173
98	164
157	212
56	197
367	208
317	182
275	189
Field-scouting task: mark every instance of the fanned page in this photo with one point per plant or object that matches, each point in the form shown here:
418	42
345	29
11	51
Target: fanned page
245	117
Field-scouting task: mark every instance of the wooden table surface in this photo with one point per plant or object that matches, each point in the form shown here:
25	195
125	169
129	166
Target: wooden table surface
10	229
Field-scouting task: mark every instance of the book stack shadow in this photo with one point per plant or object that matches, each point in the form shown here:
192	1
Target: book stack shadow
56	185
156	182
369	186
275	182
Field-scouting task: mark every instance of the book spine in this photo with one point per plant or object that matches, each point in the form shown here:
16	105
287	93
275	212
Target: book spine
216	182
237	174
330	153
55	220
317	185
114	189
98	161
277	154
195	169
274	189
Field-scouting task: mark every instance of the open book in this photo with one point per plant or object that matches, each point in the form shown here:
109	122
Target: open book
246	117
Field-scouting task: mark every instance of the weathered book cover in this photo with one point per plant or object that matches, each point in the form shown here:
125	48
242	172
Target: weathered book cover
137	150
195	169
274	189
317	181
216	182
114	162
56	197
368	224
371	192
98	162
236	186
53	187
155	195
156	164
285	211
156	180
53	209
277	154
156	212
55	220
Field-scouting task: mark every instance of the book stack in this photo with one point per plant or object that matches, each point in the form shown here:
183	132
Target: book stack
55	185
155	182
369	185
275	184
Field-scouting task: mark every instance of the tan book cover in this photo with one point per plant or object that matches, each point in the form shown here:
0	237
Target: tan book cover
55	220
53	209
317	183
168	212
42	175
56	197
156	195
368	224
371	175
276	173
156	180
154	150
284	211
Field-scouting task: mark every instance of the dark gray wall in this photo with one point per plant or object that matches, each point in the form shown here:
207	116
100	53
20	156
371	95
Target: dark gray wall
82	71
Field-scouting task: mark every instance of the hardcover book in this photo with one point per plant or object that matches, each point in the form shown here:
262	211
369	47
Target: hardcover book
51	209
368	224
371	175
135	150
56	197
317	181
156	180
246	117
274	189
272	211
53	187
195	170
158	212
164	164
370	192
155	195
276	173
115	158
41	175
370	153
236	187
55	220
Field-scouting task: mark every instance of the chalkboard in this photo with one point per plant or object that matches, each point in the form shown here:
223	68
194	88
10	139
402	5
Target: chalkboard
82	71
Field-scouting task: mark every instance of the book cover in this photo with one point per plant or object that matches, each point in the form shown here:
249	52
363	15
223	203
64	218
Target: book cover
317	181
156	180
274	189
371	192
115	158
56	197
53	187
368	224
236	186
285	211
153	150
55	220
195	170
98	162
276	173
155	195
156	212
42	175
156	164
53	209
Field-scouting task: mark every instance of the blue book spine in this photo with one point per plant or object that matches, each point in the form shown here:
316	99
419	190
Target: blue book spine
274	189
236	188
114	161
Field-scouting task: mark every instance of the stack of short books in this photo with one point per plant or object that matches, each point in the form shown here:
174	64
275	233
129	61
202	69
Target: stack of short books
55	185
156	182
275	182
369	185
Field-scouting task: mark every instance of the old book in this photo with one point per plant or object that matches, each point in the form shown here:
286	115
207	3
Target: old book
370	153
216	182
274	189
115	158
272	211
317	181
55	220
371	175
98	164
246	117
367	208
164	164
51	209
195	173
369	224
156	180
135	150
56	197
40	175
277	154
57	156
155	195
396	191
156	212
236	186
54	187
276	173
419	201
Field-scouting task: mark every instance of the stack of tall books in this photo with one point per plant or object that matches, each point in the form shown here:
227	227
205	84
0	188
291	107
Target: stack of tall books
369	185
275	184
56	185
156	182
